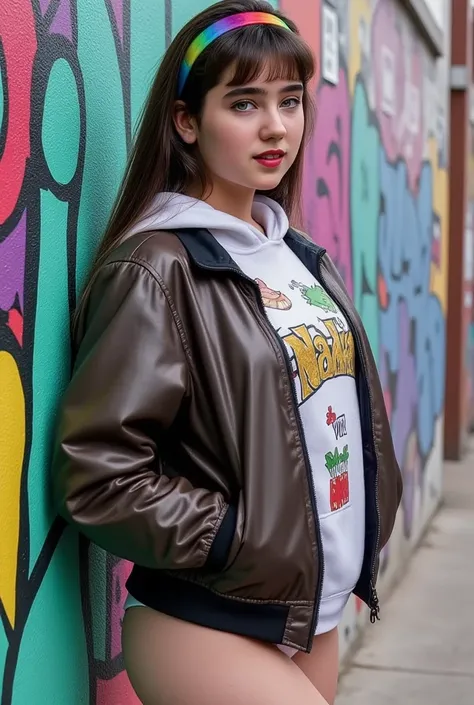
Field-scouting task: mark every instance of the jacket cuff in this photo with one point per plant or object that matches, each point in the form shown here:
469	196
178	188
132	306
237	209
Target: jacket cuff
220	547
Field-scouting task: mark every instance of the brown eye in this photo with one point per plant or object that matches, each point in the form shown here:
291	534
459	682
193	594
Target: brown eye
291	103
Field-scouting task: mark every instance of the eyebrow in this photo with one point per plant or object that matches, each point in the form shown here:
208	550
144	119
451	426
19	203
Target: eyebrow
253	90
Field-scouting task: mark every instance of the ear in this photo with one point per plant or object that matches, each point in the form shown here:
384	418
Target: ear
185	124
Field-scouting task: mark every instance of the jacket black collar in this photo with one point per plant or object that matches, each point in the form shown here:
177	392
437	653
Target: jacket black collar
205	251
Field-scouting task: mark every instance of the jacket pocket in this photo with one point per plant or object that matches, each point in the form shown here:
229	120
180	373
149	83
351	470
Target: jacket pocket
228	539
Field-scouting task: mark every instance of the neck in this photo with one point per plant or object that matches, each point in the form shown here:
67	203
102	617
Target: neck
232	199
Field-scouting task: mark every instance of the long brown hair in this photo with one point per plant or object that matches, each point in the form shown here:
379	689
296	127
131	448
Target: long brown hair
159	159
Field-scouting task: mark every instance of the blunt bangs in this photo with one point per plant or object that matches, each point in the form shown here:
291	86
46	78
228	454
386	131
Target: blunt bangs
267	53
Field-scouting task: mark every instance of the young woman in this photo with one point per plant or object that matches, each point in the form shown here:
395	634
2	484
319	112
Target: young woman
225	427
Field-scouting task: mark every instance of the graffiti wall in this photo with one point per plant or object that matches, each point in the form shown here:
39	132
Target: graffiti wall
73	76
376	198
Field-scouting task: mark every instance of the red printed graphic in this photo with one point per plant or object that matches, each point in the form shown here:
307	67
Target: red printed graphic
337	464
339	491
338	423
272	298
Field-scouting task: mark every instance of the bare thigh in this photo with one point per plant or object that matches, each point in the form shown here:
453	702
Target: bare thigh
321	666
171	662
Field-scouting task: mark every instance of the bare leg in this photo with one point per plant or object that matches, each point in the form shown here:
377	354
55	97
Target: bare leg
171	662
321	666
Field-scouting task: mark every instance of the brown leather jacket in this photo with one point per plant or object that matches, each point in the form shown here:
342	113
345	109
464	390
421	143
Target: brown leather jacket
180	445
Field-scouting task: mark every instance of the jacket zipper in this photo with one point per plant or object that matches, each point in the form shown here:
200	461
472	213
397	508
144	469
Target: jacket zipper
373	602
309	471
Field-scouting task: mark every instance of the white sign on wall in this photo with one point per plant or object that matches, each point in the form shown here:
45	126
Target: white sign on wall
330	37
389	98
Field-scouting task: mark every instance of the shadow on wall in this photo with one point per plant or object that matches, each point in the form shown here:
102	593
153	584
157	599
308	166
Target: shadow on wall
72	83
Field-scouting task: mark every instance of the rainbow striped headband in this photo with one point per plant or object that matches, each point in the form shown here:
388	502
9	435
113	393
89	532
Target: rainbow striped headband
202	41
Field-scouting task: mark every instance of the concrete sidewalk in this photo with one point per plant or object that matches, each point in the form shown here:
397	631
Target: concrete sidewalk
423	649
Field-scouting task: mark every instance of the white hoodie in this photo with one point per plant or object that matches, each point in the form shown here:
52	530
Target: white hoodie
321	350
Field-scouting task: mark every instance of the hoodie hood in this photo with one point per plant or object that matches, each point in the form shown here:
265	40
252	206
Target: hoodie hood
171	211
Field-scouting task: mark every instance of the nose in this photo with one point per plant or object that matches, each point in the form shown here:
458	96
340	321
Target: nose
273	126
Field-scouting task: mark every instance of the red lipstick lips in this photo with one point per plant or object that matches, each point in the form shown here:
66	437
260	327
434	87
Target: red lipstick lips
270	159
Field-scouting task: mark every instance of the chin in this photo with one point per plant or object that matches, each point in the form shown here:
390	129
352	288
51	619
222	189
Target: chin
269	183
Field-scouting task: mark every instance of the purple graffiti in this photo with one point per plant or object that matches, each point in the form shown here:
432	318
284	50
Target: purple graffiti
326	177
401	396
62	23
12	257
404	392
117	8
398	74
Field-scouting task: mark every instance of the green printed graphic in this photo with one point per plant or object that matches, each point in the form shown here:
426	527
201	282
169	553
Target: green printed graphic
315	296
336	463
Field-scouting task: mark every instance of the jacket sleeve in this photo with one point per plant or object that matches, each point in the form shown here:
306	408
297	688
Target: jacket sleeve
129	381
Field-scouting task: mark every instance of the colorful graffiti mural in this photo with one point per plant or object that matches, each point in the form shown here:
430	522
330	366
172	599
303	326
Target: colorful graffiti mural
375	195
73	76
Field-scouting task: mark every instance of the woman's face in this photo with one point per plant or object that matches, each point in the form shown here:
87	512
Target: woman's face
249	136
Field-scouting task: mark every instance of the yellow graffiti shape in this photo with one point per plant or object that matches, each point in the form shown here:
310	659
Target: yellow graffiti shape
360	18
12	447
439	273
